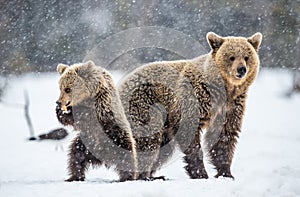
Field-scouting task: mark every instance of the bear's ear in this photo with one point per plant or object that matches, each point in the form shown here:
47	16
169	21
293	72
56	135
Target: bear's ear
214	40
61	68
87	66
255	40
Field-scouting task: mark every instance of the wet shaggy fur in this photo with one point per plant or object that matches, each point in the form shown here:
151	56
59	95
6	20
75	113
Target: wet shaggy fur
90	103
170	103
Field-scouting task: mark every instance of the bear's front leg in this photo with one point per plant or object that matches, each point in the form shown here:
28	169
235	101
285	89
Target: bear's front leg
222	146
64	118
79	160
221	153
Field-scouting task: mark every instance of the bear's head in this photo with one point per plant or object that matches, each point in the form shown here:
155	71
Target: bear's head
77	83
236	57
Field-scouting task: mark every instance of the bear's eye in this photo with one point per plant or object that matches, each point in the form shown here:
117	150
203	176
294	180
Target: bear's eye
67	90
246	58
232	58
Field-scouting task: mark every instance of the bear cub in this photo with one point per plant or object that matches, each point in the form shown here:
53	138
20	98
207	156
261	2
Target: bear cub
171	103
89	102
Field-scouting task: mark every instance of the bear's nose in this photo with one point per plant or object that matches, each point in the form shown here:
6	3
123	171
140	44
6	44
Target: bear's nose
58	103
241	70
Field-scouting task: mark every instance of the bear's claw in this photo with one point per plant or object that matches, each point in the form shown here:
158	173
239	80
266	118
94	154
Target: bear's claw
155	178
224	174
71	179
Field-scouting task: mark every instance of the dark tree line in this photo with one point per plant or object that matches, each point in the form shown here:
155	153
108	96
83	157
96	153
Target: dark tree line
36	35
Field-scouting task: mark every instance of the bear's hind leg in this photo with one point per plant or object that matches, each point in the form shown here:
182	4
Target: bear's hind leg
147	152
126	175
194	158
145	163
165	153
127	165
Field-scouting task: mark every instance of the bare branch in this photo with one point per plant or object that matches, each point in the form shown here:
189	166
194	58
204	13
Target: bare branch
27	116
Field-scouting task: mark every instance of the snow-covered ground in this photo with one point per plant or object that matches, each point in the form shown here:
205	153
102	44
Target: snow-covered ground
266	163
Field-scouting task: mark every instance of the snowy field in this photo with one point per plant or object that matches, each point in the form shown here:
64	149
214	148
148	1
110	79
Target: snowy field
266	163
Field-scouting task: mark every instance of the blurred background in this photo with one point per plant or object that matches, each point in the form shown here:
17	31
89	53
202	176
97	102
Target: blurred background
36	35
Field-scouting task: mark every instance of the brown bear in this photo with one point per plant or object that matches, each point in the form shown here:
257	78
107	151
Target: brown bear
90	103
170	103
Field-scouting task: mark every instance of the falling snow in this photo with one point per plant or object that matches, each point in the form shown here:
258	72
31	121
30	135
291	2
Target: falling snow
36	34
